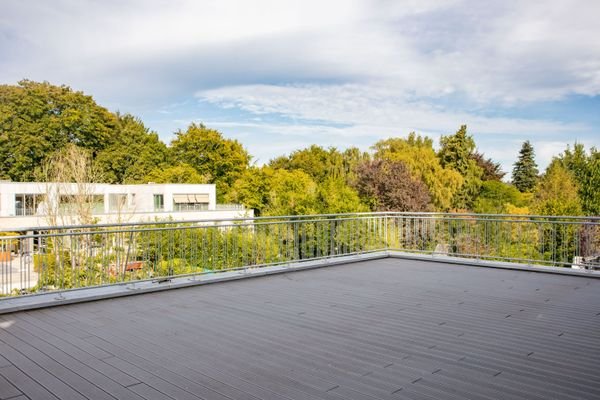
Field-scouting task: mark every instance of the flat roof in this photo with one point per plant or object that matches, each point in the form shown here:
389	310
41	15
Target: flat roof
382	329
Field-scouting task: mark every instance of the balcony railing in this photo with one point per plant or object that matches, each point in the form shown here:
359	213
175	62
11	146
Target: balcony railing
63	258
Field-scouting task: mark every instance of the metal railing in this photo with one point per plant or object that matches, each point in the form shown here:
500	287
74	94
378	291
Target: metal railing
70	257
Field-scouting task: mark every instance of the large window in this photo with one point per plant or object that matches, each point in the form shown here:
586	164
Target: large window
190	202
73	204
28	204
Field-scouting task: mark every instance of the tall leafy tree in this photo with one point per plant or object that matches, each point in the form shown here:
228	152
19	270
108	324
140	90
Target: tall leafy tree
556	192
389	186
457	152
586	171
525	171
181	173
335	196
252	189
292	193
418	155
133	154
222	160
492	171
322	164
496	197
38	119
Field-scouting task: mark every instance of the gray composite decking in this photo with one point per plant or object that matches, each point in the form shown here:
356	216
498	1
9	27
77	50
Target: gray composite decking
385	329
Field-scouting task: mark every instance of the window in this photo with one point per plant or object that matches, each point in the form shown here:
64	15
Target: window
159	202
190	202
27	204
74	204
117	202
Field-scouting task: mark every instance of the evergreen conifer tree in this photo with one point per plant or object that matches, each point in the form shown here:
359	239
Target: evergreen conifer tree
525	170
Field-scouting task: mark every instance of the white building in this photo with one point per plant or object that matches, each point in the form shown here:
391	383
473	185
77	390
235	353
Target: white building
37	204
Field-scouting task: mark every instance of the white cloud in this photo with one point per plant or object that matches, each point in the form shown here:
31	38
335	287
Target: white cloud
344	71
490	51
343	115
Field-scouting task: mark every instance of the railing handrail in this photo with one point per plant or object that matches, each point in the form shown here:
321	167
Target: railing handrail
303	217
66	257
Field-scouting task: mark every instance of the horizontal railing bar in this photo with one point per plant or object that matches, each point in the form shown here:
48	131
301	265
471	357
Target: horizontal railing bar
300	217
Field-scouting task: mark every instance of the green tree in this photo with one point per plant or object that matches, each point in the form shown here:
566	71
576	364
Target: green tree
335	196
492	171
181	173
457	152
221	160
134	152
388	186
292	193
37	119
525	172
252	189
556	192
321	164
418	155
496	197
586	171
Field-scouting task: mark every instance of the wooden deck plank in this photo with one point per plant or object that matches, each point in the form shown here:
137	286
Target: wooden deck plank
386	329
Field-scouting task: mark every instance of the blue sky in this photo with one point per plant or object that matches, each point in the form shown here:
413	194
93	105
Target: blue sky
281	75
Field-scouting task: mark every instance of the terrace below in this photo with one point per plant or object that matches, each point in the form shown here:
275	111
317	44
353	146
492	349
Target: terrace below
382	329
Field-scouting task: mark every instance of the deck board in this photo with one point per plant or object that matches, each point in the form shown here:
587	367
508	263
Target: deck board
384	329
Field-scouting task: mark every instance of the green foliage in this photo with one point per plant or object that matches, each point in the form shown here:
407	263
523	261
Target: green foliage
266	190
496	197
291	193
457	152
418	155
556	192
321	164
182	173
252	189
492	171
335	196
525	172
40	120
221	160
586	171
37	119
388	186
133	154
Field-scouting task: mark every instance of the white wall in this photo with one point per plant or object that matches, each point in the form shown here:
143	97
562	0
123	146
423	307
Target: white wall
143	210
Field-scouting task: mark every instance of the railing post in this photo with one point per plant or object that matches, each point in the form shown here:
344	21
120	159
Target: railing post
385	232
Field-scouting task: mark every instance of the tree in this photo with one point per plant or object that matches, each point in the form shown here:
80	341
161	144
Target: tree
556	192
181	173
134	152
38	119
585	168
252	189
457	152
418	155
525	172
221	160
335	196
291	193
388	186
496	197
322	164
492	171
69	176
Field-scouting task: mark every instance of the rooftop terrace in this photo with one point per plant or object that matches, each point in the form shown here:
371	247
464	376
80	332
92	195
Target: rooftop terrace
383	329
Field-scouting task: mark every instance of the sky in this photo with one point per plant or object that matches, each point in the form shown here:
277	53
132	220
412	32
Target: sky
281	75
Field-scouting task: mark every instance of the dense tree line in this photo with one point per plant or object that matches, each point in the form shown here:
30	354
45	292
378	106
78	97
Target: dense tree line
38	120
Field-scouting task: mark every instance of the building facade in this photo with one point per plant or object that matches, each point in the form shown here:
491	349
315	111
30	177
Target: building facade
38	204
